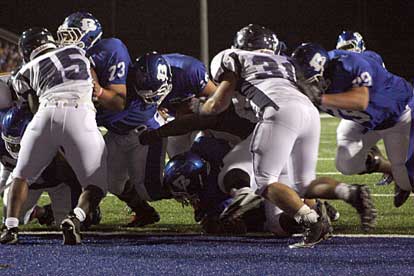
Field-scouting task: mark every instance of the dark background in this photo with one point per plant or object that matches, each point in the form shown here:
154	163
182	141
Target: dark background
173	25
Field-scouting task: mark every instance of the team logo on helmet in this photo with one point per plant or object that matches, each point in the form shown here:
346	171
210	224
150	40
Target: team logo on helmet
88	24
318	62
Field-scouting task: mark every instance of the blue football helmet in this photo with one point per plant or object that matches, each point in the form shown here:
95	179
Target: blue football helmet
312	61
150	77
183	176
81	29
350	41
255	37
35	41
14	124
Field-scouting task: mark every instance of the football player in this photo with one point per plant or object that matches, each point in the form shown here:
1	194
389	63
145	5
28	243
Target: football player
192	178
123	114
65	120
190	80
373	103
281	137
57	179
354	42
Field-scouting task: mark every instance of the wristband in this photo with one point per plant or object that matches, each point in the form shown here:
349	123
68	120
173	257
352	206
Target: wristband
99	93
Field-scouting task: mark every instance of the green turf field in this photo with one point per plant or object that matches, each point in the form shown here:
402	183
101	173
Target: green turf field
175	218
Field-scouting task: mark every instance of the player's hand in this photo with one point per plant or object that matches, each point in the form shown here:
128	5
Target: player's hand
312	91
148	137
195	104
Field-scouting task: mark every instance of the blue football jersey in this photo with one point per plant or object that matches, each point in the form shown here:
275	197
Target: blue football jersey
366	53
373	55
190	77
111	60
212	200
388	94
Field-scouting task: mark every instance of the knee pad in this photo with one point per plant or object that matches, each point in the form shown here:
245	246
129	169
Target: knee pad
237	179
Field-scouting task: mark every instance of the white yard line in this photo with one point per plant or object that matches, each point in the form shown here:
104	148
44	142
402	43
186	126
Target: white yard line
124	233
325	116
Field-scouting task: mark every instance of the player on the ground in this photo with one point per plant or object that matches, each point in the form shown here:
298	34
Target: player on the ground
268	81
57	85
374	103
192	178
121	113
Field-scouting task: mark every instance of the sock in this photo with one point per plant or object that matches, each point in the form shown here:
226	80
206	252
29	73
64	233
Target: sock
342	191
306	214
235	192
79	213
12	222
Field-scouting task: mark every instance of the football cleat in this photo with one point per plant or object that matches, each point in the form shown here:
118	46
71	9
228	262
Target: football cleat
316	232
144	218
244	200
400	196
94	218
9	236
333	214
71	230
360	199
386	179
47	218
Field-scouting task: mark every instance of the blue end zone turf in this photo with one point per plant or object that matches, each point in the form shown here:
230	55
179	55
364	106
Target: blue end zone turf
206	255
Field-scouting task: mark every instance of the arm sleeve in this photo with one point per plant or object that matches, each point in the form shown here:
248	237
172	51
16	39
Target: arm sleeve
187	123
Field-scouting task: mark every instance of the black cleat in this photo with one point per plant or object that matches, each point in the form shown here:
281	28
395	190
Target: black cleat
400	196
47	218
360	199
316	232
143	218
93	218
9	236
244	201
333	214
386	179
71	230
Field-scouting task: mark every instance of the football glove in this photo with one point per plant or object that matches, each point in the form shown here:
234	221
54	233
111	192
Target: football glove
148	137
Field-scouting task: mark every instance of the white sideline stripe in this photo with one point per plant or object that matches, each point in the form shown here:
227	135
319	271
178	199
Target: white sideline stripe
328	173
124	233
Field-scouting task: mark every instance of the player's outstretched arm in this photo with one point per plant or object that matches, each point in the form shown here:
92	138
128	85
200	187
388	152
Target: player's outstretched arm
221	99
354	99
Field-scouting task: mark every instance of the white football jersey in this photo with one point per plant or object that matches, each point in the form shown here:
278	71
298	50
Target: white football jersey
264	79
63	73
